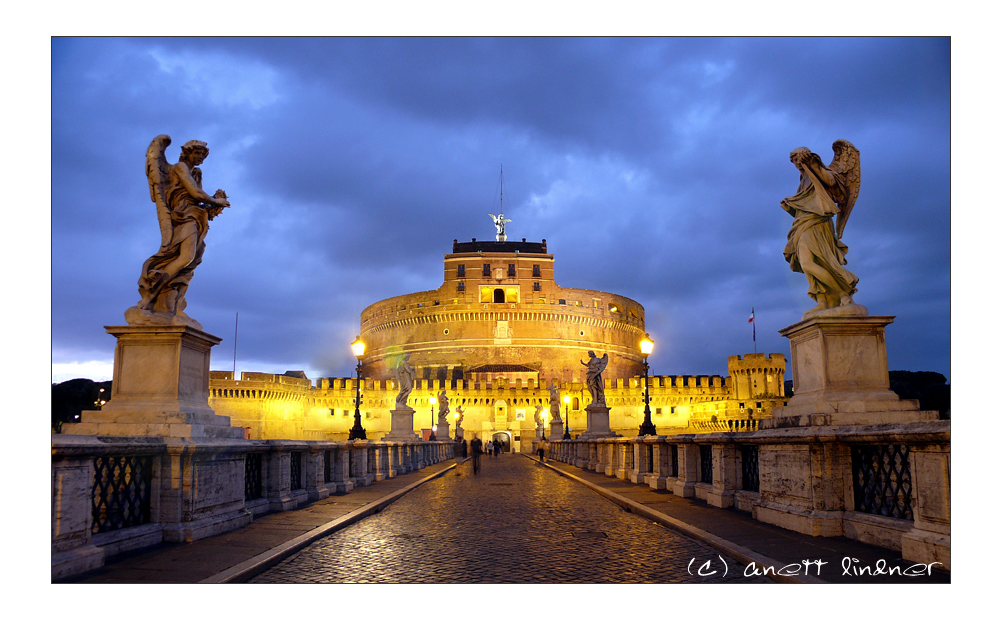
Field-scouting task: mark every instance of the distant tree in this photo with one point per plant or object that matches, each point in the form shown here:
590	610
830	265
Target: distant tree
930	388
71	397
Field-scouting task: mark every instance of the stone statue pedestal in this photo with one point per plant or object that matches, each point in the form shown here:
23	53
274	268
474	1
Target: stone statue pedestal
556	429
841	375
443	428
598	422
401	425
160	386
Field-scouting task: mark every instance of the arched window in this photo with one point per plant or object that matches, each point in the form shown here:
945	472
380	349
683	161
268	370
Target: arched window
498	297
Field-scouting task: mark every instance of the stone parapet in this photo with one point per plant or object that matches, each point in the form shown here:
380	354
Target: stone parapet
113	494
809	479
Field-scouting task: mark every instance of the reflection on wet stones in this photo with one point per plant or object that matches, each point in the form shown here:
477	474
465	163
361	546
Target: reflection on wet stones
514	522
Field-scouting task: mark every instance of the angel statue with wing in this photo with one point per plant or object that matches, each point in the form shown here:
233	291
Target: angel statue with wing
814	246
501	224
184	210
595	383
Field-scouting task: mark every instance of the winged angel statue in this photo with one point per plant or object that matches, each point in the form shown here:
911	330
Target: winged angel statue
595	382
183	210
814	246
501	224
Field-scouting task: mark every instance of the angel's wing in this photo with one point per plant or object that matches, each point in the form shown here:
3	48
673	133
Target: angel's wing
846	162
158	173
604	362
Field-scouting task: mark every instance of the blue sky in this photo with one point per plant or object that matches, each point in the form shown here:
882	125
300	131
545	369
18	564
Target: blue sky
653	167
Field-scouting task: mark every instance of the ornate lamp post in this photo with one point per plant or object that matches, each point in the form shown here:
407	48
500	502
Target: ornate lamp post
566	401
646	347
433	402
358	431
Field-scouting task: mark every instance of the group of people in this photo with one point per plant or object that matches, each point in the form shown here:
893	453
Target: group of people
477	448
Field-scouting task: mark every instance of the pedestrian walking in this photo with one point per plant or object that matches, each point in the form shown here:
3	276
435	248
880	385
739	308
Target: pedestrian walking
476	446
489	448
542	445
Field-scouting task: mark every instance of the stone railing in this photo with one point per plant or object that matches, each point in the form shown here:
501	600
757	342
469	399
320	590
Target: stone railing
116	494
887	485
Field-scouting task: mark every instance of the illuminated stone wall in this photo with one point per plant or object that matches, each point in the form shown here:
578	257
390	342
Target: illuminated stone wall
499	304
280	407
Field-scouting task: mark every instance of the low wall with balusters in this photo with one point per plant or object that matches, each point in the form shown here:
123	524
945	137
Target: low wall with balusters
886	485
116	494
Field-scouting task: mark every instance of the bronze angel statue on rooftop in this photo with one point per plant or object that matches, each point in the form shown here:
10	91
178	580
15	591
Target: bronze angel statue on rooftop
814	242
183	210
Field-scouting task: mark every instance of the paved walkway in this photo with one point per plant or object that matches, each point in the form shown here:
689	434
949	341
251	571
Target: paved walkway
238	555
499	527
515	522
737	534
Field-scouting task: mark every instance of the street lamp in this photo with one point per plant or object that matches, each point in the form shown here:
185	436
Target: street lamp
433	402
543	414
358	431
566	400
646	347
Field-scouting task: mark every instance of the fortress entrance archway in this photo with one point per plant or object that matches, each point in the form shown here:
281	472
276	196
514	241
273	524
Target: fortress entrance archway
498	296
504	438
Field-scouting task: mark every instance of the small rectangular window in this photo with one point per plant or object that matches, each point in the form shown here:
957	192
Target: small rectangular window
512	270
486	270
562	302
537	286
461	286
461	271
536	271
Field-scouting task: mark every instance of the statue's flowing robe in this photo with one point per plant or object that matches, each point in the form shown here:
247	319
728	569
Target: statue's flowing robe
812	232
183	209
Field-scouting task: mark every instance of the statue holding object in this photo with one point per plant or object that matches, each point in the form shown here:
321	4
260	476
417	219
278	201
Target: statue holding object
595	383
405	375
814	245
183	209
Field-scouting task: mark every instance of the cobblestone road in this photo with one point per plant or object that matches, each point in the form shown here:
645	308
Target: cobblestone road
514	522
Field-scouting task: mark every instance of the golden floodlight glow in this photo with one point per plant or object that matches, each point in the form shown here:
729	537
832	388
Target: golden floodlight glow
566	399
455	415
358	347
433	401
646	346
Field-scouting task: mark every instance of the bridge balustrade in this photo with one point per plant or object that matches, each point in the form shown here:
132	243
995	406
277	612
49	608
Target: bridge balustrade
111	495
860	482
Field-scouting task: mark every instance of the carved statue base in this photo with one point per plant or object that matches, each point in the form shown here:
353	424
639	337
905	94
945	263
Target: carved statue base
401	425
136	316
556	429
841	375
159	388
598	422
443	428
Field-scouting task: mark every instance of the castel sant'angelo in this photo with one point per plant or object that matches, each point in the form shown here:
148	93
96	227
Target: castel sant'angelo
494	337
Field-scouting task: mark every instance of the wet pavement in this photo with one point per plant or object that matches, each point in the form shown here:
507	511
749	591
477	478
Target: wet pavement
517	521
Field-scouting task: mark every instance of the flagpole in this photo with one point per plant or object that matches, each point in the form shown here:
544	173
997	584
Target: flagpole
753	322
235	335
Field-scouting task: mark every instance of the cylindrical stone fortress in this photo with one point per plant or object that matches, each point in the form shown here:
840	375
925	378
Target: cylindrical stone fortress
499	307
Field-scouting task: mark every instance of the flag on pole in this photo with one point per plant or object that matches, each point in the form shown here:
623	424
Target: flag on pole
754	330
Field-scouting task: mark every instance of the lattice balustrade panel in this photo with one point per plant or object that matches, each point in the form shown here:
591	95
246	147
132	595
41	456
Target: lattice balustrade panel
121	492
296	470
253	480
882	482
749	465
705	452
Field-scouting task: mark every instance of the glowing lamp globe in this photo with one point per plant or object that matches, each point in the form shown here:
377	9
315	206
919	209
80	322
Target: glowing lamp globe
646	346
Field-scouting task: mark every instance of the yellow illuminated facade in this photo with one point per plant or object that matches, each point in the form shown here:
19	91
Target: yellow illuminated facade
494	336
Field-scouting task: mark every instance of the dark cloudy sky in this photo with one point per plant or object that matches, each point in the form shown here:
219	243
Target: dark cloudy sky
653	167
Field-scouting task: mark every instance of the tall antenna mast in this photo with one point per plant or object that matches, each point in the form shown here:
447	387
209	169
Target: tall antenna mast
499	221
